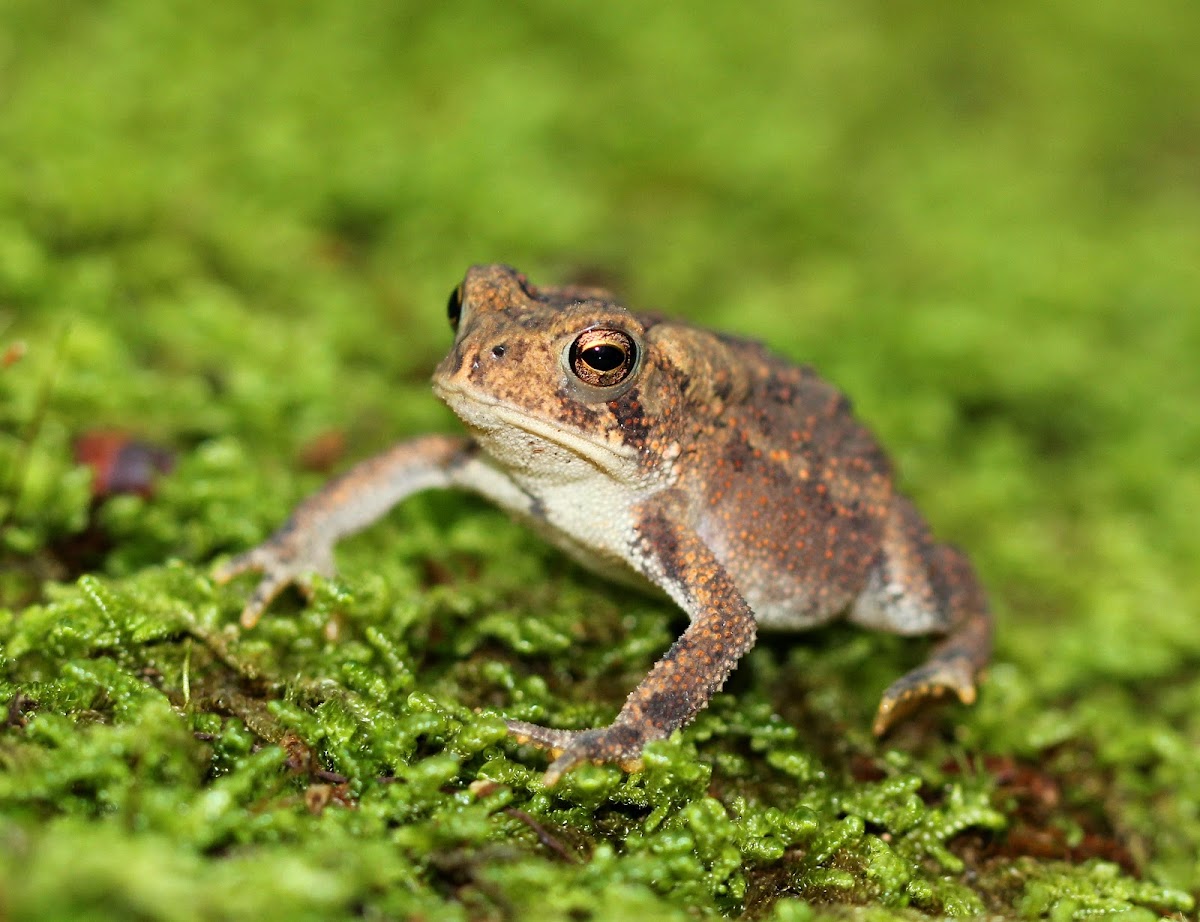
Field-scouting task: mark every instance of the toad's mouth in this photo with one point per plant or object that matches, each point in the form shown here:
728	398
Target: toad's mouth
489	420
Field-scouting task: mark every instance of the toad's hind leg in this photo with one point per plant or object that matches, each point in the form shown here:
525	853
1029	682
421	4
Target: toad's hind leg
922	587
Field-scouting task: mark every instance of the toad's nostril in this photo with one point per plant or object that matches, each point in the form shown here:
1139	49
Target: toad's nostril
498	351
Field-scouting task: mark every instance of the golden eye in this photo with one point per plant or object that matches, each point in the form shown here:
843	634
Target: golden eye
454	307
603	358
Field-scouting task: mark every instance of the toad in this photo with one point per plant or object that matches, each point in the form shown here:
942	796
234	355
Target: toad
656	452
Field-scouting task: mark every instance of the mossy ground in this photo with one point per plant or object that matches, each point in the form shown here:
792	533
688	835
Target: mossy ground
229	229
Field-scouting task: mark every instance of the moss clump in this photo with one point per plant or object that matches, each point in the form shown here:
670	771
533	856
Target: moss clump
979	222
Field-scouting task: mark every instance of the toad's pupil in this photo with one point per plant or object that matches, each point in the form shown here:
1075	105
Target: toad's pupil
454	306
604	357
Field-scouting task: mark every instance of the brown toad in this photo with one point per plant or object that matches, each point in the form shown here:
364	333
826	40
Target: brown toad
654	451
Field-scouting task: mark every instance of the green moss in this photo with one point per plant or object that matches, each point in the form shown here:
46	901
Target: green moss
228	230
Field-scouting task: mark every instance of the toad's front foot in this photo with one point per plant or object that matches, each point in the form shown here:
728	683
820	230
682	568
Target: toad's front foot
620	743
284	559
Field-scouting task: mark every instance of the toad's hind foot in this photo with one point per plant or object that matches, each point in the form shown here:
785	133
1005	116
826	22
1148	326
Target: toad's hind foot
620	744
937	678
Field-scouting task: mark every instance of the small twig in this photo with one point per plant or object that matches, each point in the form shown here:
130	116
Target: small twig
187	672
16	710
543	835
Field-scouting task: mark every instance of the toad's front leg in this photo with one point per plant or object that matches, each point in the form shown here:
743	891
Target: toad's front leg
697	665
303	546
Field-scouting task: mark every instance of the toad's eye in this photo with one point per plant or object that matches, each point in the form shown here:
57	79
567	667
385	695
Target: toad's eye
454	307
603	358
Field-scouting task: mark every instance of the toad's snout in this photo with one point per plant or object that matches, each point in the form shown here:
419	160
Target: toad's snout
469	363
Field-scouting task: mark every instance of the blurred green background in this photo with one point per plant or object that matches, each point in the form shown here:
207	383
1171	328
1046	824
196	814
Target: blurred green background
230	230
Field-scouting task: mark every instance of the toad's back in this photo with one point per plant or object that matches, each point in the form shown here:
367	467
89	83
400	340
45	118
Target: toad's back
789	489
